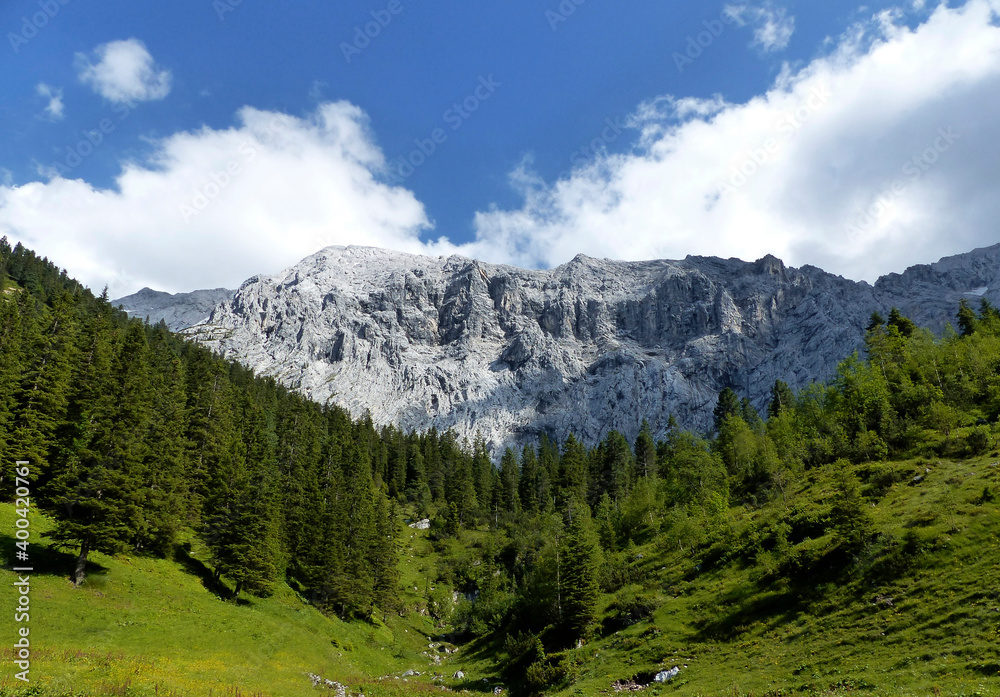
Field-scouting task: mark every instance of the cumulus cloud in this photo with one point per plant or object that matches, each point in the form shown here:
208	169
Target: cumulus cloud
213	207
54	109
772	26
123	72
881	154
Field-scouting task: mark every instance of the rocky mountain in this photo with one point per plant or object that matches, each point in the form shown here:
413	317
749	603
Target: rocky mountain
179	311
589	346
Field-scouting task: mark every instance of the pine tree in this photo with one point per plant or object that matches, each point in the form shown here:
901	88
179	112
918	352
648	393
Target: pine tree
850	514
164	505
510	479
572	484
579	566
903	325
50	353
529	484
384	557
617	466
241	509
875	322
10	373
645	452
967	319
782	399
358	532
728	405
98	495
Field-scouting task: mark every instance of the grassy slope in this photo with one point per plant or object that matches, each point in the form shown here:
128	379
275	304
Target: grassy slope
736	629
142	625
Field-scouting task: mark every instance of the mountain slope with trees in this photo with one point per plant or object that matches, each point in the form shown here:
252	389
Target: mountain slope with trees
780	547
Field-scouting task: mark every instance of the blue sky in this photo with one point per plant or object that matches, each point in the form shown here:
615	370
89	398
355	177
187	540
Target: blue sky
547	128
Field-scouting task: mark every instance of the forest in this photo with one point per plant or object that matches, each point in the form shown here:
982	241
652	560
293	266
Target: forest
136	434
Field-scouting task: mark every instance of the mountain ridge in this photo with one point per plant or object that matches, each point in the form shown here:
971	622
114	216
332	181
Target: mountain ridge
585	347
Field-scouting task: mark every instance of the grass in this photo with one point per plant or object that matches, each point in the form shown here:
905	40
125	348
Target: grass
918	613
144	626
915	613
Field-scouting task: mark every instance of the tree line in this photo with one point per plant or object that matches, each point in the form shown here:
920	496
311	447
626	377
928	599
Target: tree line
139	437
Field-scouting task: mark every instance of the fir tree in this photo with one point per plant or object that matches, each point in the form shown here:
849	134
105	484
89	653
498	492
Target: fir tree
510	479
967	319
728	405
529	484
579	567
573	484
782	399
98	495
645	452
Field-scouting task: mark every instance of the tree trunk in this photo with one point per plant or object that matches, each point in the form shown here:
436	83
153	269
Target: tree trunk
236	593
80	572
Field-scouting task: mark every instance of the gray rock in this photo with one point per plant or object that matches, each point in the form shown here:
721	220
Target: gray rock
589	346
178	311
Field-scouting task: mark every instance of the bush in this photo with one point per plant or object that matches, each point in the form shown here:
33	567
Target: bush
630	607
545	674
977	442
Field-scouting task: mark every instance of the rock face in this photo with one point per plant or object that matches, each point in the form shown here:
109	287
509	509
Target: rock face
587	347
178	311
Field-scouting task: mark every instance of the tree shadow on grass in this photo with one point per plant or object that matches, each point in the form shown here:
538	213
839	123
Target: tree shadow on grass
770	609
45	560
196	567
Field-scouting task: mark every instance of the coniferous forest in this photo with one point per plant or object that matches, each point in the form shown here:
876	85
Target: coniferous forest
139	438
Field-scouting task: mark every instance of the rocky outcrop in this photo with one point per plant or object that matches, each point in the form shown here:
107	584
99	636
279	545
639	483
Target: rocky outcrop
178	311
587	347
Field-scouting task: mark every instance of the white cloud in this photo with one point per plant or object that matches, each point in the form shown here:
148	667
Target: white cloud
213	207
124	72
832	139
54	110
843	162
772	26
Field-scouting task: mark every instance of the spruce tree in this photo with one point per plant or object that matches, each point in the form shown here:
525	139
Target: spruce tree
510	478
967	320
579	568
50	353
10	373
728	405
573	482
98	494
782	399
645	452
529	484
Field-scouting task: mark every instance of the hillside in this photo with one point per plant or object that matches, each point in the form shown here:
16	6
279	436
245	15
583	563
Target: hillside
206	529
734	619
